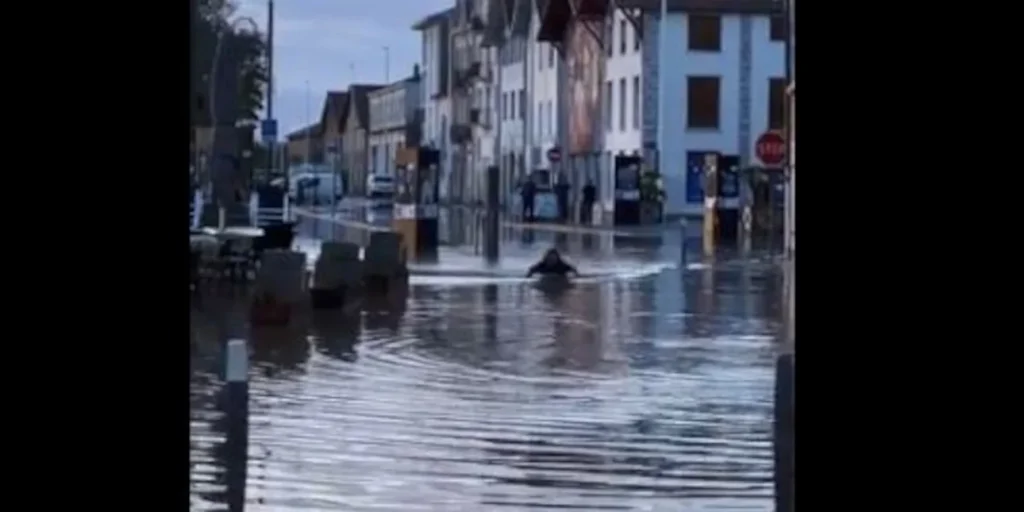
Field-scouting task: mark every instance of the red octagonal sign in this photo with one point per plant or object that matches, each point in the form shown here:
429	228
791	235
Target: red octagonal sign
770	148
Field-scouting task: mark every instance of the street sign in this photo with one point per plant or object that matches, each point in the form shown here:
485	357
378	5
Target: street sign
554	154
268	129
770	148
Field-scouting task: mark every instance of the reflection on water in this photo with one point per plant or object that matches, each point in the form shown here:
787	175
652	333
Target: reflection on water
641	393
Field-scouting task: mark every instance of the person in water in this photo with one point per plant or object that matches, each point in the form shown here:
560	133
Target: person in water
552	265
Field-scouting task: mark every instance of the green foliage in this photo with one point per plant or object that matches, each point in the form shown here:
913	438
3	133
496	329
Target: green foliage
211	19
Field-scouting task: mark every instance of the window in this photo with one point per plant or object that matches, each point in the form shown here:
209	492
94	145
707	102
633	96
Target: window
607	104
540	61
636	102
622	104
511	105
702	101
609	36
636	40
777	29
522	103
622	36
504	106
776	103
551	55
487	105
705	32
551	117
538	125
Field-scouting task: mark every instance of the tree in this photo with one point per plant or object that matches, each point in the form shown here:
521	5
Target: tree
210	22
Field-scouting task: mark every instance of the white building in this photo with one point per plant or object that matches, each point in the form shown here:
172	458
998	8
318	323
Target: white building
542	76
394	122
513	109
724	82
475	33
621	97
435	73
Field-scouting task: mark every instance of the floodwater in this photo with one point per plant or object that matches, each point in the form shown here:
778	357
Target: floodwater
646	386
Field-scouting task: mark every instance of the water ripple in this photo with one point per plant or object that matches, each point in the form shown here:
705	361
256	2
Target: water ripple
644	395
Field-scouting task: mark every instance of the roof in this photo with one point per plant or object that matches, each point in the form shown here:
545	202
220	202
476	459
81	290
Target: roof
436	18
519	23
709	6
358	97
494	25
334	104
311	131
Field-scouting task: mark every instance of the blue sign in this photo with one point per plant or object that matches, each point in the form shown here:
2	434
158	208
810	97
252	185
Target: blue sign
694	177
268	128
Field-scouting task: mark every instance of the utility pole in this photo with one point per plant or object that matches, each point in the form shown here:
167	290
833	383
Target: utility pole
387	64
270	80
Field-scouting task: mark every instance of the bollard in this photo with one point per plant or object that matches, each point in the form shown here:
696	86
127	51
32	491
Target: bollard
785	433
197	209
682	243
221	218
492	225
236	405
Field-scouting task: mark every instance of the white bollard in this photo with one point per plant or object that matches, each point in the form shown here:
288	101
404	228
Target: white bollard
254	209
285	209
197	208
221	218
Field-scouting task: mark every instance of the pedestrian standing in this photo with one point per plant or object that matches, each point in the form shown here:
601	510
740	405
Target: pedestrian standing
562	195
528	191
589	193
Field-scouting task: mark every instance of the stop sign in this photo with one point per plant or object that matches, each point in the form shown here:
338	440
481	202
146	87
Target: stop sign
770	148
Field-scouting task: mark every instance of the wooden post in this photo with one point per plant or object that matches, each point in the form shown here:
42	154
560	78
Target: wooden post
710	203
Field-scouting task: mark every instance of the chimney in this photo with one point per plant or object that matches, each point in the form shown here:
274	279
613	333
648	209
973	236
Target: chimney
415	71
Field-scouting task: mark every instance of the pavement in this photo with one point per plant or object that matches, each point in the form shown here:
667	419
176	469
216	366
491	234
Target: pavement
376	213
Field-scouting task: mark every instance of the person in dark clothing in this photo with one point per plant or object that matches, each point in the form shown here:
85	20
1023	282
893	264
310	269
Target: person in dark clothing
587	203
562	195
552	265
528	191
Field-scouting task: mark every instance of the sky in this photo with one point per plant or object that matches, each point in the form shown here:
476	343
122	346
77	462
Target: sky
322	45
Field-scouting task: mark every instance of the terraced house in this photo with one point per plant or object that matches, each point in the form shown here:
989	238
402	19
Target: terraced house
355	138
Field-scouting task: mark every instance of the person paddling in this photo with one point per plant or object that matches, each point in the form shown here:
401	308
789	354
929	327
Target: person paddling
552	265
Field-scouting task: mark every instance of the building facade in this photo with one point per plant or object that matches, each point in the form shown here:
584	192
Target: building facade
332	119
355	141
435	72
477	30
542	95
395	122
306	145
724	79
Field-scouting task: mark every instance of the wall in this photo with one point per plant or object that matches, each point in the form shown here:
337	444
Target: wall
766	61
620	66
512	109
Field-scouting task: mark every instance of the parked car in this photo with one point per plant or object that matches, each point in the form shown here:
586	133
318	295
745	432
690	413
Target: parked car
380	186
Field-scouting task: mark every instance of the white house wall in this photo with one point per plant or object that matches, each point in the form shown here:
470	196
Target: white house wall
767	61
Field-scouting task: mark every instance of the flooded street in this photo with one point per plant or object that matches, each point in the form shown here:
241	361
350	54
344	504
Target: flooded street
646	386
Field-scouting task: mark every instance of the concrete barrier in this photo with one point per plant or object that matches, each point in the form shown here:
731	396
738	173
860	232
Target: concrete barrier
383	255
281	276
337	266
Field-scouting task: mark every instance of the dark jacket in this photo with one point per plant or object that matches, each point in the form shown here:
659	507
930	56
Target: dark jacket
560	268
589	194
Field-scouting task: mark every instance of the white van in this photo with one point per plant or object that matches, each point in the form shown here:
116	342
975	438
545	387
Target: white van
315	188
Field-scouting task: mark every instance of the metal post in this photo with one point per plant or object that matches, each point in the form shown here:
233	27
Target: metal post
270	81
784	433
662	41
492	227
236	412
